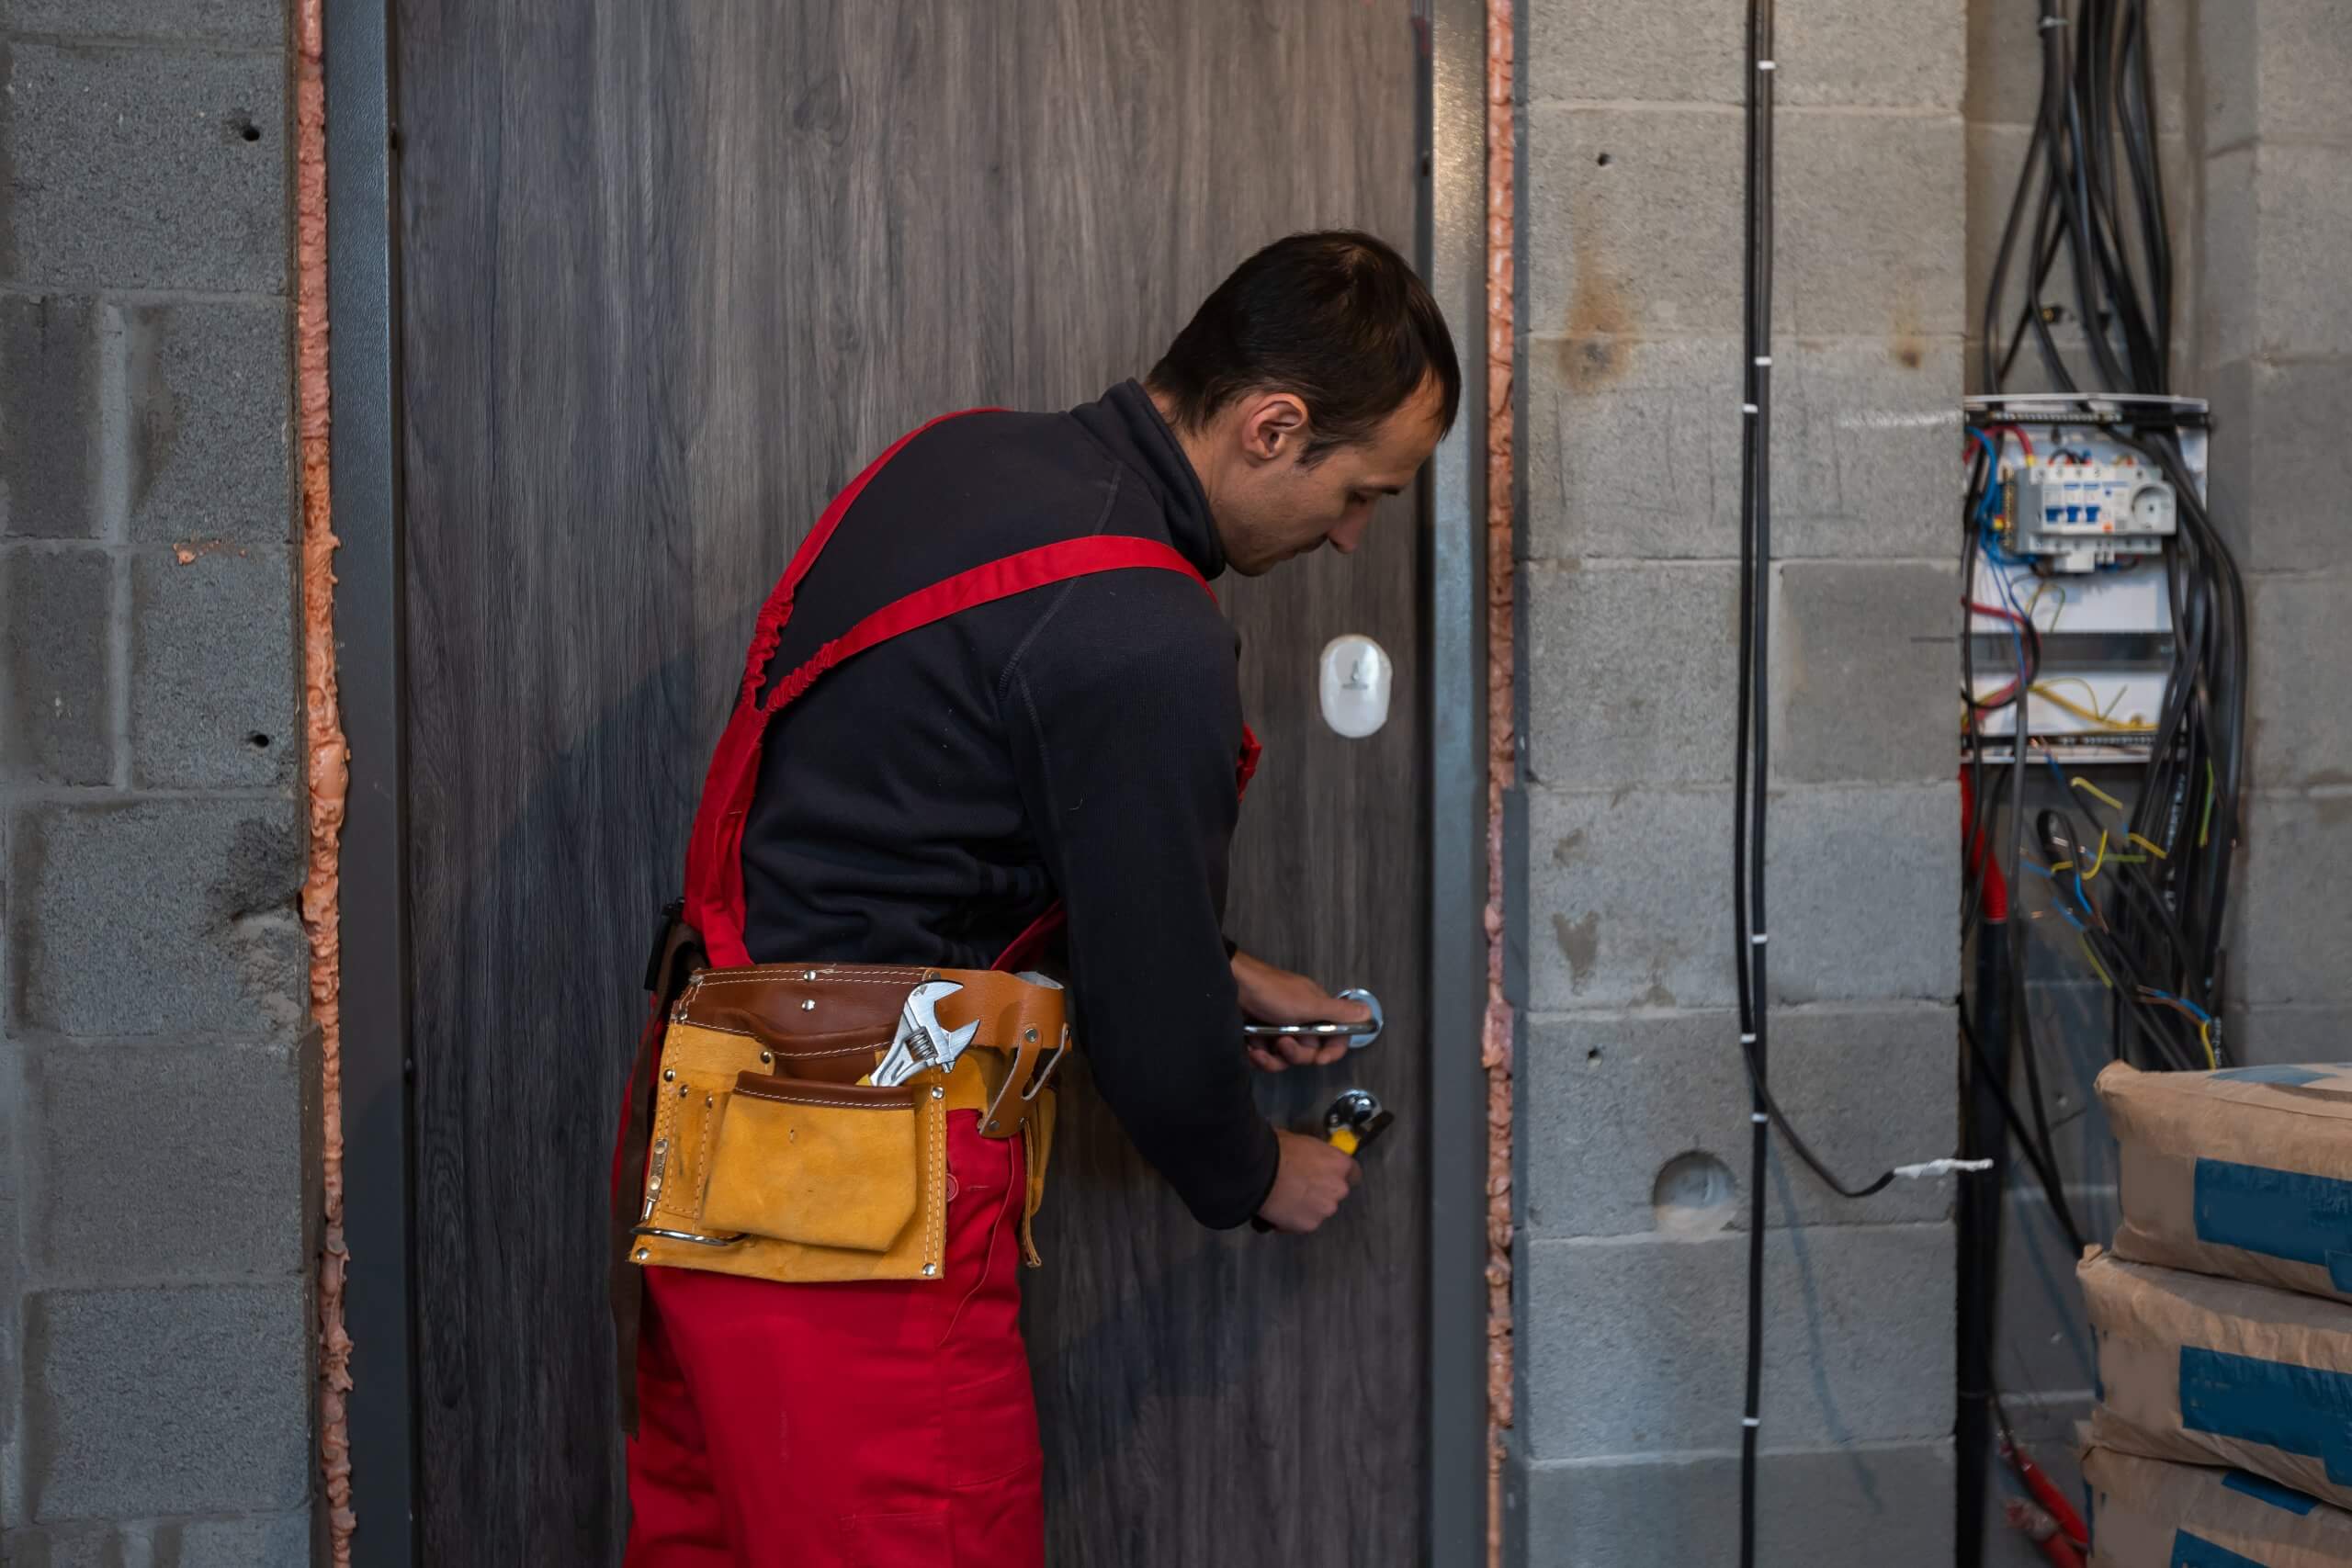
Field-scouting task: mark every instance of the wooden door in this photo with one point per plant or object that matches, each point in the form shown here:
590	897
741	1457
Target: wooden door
670	275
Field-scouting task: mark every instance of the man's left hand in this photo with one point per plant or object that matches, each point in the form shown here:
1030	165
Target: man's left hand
1276	995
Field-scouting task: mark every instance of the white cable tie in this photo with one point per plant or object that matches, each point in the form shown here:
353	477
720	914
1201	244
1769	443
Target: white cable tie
1747	407
1757	940
1927	1168
1767	65
1751	1420
2050	22
1763	359
1759	1117
1748	1040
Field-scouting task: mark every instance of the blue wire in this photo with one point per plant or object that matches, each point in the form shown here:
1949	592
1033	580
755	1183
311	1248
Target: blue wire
2200	1014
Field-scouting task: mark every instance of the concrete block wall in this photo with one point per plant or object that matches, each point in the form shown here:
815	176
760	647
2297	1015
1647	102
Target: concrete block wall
157	1082
2277	345
1632	1109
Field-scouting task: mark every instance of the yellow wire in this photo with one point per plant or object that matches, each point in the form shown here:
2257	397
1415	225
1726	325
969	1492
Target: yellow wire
2092	875
2105	711
2087	714
2152	849
2096	793
2205	1038
2096	967
2045	586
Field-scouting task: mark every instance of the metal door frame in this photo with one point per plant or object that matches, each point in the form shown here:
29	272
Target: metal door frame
363	297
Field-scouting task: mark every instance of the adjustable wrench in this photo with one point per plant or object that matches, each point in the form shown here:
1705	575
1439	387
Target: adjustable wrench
921	1041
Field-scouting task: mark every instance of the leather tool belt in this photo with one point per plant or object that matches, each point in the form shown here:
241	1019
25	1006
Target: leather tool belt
768	1156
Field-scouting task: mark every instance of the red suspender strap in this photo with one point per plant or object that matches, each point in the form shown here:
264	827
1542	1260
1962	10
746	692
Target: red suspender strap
769	627
714	855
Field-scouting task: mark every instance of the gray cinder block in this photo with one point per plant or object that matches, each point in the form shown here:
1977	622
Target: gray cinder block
1638	1121
148	169
56	719
169	1400
1637	1345
210	421
171	917
51	349
157	1161
213	700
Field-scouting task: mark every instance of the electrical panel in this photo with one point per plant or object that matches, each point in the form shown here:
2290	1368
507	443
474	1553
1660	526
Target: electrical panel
2070	536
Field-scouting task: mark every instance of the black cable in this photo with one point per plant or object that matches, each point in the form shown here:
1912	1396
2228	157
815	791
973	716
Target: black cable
1754	750
2043	1162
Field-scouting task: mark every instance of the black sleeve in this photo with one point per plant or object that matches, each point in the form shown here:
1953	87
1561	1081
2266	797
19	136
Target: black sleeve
1125	723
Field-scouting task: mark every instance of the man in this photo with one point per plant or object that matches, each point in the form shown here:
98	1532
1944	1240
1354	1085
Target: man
948	781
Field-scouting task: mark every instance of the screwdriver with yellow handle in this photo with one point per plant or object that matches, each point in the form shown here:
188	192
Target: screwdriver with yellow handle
1354	1120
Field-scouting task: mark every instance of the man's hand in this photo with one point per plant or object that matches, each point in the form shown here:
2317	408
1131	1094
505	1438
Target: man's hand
1276	995
1309	1183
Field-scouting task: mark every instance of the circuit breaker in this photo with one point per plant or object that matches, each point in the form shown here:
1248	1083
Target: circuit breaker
2085	515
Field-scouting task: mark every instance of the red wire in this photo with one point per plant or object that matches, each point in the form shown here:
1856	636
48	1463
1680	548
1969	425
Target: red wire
2014	619
1982	861
2023	439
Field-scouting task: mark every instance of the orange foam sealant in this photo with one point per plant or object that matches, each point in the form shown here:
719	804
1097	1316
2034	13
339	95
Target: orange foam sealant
327	773
1495	1047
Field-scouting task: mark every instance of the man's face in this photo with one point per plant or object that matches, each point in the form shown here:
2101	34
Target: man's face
1271	504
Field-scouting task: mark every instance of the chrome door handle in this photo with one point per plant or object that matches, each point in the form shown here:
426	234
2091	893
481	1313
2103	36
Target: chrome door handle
1359	1036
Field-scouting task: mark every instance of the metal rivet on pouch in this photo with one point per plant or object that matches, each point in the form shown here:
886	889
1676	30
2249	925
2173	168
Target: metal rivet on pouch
992	1126
766	1058
682	1092
938	1094
929	1270
706	1099
810	974
668	1074
1030	1035
642	1255
809	1006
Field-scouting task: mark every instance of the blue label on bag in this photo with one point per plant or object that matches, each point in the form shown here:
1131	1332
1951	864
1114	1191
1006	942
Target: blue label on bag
2302	1410
2270	1491
2196	1552
2281	1214
2293	1077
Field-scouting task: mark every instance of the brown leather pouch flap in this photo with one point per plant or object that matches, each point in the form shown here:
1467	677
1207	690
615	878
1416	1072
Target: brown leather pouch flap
832	1021
817	1163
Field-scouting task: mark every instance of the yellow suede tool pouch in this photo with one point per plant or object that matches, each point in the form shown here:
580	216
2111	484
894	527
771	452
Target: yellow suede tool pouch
819	1164
795	1179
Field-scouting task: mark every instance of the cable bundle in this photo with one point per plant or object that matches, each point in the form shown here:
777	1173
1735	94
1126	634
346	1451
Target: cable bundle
2145	887
2102	202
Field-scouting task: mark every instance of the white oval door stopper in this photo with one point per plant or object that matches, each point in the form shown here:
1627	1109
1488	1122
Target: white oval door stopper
1356	674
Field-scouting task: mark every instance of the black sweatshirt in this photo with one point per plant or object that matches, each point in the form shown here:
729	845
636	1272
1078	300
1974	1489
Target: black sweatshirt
928	799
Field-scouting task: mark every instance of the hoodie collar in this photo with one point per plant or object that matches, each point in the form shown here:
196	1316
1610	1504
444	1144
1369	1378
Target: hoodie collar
1125	421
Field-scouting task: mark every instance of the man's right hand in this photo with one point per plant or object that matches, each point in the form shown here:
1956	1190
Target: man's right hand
1310	1180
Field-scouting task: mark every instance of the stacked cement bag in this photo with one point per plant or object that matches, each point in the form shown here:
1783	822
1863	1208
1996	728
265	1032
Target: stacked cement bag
2246	1173
2225	1321
2152	1513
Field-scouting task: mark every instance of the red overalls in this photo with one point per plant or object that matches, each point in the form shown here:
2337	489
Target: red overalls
872	1424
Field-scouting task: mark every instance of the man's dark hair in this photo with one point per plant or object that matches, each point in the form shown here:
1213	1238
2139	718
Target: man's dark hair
1336	317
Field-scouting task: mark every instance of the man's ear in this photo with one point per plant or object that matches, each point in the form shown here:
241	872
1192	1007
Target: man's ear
1273	425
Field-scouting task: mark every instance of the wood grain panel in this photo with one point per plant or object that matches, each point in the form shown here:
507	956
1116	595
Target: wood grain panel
671	275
